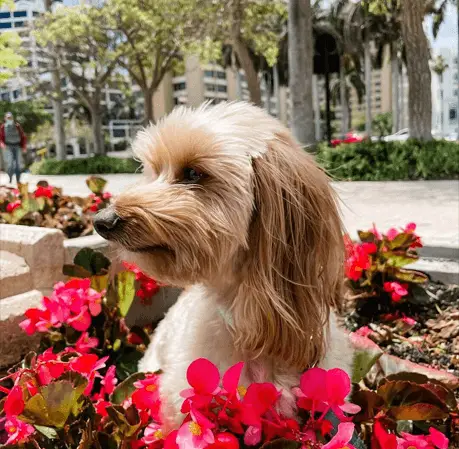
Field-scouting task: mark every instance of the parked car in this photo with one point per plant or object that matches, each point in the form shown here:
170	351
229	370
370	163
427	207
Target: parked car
350	137
399	136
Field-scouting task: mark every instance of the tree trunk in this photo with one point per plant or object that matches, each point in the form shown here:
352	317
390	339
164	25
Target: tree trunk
149	116
395	95
276	89
367	61
343	101
251	75
300	57
417	64
402	96
316	102
97	131
56	101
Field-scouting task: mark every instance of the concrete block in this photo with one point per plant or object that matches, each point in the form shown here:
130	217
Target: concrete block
42	249
15	277
14	342
439	270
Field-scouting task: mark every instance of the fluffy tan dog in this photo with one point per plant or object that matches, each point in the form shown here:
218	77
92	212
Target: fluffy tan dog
234	211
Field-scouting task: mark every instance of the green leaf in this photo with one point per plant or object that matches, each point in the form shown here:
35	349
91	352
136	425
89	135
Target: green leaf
125	389
99	263
94	262
399	259
96	184
414	276
83	259
75	271
402	240
99	283
53	404
127	420
366	354
417	412
48	432
125	285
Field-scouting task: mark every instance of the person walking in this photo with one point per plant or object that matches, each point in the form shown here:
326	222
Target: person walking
13	140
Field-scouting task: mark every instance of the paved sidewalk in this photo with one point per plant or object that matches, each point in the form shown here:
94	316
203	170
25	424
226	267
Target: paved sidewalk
432	205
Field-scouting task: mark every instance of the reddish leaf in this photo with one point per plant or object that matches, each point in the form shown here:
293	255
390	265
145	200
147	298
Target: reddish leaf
370	403
417	412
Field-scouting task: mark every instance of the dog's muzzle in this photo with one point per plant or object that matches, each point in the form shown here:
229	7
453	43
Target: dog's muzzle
106	222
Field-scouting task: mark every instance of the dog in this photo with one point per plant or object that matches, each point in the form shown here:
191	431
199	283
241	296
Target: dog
235	212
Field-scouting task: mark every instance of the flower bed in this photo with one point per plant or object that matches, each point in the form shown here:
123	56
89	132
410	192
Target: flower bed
47	207
397	308
83	391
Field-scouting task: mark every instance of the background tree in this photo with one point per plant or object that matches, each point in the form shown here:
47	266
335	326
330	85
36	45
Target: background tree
155	34
9	45
57	98
88	53
30	114
301	63
439	66
418	70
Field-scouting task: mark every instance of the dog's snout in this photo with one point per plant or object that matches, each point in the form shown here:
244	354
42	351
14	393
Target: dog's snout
106	221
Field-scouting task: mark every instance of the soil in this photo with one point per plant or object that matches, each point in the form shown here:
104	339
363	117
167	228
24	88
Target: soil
434	339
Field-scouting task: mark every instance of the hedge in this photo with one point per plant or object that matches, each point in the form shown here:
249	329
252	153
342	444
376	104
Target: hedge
89	165
391	161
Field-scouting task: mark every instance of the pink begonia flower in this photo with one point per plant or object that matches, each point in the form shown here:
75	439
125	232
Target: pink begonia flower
392	233
364	331
18	431
152	434
50	370
146	396
87	364
109	381
14	403
410	227
11	207
398	291
36	320
82	321
252	435
381	438
435	439
376	233
321	390
230	380
225	440
409	321
342	437
85	343
197	433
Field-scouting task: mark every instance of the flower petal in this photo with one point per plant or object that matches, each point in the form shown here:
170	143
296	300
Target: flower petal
313	383
342	437
231	377
338	386
350	408
438	438
252	436
203	376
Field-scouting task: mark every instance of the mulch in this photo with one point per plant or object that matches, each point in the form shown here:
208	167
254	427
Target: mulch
433	341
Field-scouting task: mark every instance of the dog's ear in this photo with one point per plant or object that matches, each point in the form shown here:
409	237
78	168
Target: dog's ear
295	261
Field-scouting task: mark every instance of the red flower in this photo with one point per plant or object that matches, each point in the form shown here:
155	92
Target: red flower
391	234
106	195
358	259
14	403
36	320
86	364
146	395
435	439
397	290
196	433
85	343
409	229
342	437
10	207
47	192
109	381
225	440
381	438
364	331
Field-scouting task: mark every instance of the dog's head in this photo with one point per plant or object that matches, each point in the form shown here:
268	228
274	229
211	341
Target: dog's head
229	197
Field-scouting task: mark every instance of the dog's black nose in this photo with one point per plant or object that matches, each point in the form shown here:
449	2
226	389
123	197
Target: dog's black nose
106	221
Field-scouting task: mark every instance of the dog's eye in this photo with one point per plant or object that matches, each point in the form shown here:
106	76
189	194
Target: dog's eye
191	175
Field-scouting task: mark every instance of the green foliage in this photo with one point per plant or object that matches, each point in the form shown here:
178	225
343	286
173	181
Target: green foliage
391	161
90	165
382	124
30	114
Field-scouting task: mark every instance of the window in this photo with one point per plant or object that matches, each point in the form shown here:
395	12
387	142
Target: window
35	13
20	13
5	15
215	74
215	88
5	25
179	86
6	96
16	93
18	24
455	92
452	114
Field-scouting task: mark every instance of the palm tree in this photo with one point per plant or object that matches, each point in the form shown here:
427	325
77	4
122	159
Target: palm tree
300	58
57	100
439	66
350	79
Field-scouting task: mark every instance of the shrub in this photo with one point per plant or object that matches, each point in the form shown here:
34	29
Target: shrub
391	161
89	165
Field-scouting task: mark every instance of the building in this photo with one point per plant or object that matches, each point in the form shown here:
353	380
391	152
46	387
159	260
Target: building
445	113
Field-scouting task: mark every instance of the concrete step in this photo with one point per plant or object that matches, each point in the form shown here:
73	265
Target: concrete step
440	270
15	276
